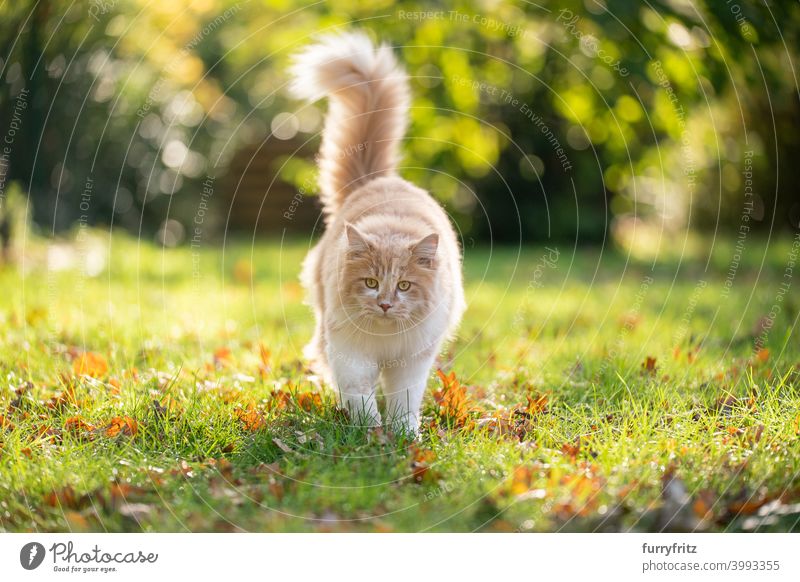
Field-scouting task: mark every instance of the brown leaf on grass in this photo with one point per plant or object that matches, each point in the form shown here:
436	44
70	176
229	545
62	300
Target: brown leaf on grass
121	426
65	498
572	449
725	404
90	364
421	460
251	418
704	503
454	408
309	401
756	434
280	400
747	503
79	428
6	424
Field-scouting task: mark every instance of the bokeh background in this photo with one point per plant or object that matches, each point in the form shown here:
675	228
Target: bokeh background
584	121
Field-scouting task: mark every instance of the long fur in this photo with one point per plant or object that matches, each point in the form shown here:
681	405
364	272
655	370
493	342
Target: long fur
368	105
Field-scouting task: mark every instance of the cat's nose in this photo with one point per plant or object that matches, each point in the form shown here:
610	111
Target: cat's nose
385	306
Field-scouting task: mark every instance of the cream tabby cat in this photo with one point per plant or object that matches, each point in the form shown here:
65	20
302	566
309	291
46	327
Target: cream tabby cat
385	279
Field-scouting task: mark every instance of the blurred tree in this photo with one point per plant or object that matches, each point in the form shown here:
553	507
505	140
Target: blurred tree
532	121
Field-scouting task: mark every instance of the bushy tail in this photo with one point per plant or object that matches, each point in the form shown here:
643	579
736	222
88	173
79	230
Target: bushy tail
367	115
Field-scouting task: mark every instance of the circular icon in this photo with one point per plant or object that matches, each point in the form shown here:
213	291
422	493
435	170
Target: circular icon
31	555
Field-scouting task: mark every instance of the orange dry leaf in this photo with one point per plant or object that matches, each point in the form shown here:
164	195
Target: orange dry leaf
421	460
280	400
121	425
572	450
6	424
76	426
90	364
454	407
537	403
64	498
251	418
309	401
704	503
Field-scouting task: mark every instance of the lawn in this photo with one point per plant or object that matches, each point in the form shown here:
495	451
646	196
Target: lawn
162	390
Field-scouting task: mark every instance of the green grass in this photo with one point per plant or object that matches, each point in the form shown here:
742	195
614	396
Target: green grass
723	423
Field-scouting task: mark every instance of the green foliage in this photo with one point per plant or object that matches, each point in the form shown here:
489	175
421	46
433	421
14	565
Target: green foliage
529	120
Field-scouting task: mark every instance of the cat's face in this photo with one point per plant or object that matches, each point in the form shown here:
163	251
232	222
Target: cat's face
389	281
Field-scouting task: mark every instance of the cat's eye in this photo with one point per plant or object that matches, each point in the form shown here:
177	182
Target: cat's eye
371	283
404	285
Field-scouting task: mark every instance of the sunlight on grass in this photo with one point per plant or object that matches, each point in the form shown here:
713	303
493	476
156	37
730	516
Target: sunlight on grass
166	393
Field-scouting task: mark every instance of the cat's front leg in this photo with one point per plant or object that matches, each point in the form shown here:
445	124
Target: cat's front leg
355	376
404	383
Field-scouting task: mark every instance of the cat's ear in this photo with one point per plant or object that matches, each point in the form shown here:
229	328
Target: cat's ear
424	252
356	241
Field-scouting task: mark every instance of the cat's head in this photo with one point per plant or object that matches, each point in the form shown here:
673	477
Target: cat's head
389	279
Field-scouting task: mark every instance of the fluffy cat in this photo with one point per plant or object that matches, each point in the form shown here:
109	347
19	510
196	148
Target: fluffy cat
385	279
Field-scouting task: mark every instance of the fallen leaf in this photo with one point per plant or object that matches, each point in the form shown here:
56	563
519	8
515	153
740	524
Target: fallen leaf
251	418
537	403
282	445
79	428
309	401
572	449
454	408
704	503
6	424
421	460
65	498
90	364
121	425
